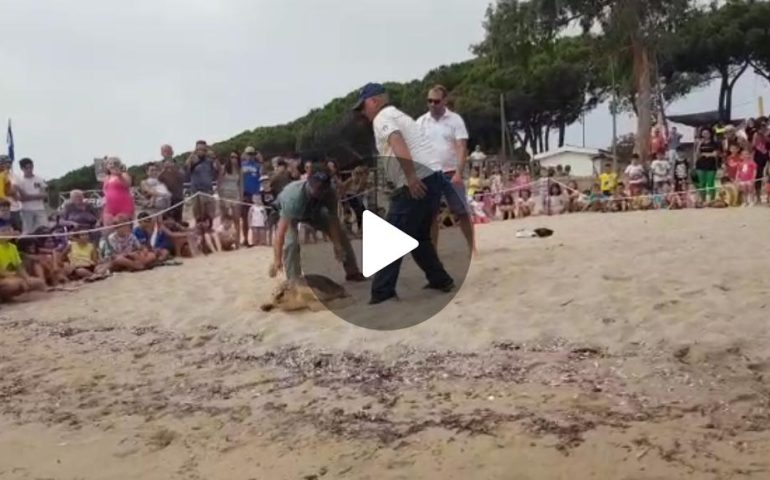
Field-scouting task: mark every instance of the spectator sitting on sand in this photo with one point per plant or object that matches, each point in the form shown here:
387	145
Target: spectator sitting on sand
144	233
525	205
618	201
228	233
209	241
596	200
14	280
123	249
507	208
556	204
180	240
37	266
731	192
478	215
82	260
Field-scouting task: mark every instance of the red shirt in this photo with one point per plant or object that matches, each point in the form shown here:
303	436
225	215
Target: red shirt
747	171
732	164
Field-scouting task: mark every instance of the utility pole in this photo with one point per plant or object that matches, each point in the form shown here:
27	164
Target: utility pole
614	111
503	128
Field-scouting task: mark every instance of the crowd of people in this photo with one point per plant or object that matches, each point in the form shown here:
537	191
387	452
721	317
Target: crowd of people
236	201
142	224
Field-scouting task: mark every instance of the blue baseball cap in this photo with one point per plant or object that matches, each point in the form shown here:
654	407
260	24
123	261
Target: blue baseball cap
370	90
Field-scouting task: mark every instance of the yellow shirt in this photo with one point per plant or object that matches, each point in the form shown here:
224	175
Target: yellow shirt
474	185
608	181
80	255
10	260
4	180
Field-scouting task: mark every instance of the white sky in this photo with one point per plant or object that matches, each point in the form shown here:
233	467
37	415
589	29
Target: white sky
87	78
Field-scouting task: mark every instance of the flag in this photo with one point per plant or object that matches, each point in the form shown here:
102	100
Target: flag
9	140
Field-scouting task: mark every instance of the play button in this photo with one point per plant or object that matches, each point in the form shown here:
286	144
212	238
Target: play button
383	244
376	245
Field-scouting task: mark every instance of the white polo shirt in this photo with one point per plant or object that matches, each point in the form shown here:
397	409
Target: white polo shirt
390	120
444	133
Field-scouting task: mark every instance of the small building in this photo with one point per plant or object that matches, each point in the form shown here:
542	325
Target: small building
583	162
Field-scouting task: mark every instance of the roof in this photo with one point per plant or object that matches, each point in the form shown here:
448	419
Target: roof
592	152
699	119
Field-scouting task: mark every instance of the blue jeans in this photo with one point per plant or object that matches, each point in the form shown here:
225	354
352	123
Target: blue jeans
415	218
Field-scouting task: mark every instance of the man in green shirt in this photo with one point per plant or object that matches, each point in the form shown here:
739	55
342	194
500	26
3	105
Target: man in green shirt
312	201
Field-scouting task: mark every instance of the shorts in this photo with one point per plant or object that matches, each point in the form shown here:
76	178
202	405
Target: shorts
204	206
680	185
455	195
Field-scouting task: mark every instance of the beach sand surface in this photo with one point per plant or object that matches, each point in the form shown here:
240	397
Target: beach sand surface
626	346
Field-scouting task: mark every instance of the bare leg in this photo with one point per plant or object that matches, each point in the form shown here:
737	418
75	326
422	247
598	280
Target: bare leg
123	263
467	228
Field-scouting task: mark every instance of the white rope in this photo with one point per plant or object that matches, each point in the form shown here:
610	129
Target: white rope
101	229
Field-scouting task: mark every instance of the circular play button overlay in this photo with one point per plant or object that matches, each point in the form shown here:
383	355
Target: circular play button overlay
407	279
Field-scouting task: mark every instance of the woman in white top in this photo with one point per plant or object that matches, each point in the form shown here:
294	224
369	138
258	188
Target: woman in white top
157	195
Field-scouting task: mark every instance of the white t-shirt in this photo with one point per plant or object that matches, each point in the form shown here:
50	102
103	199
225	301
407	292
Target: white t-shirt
257	216
635	174
32	186
660	170
445	133
478	155
390	120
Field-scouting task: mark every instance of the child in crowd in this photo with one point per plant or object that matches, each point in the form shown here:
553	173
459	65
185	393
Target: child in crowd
556	204
488	201
618	201
575	201
258	224
746	176
507	207
681	174
227	233
525	205
209	242
672	198
732	162
50	252
178	238
123	249
14	280
145	231
82	260
478	215
596	200
34	264
719	202
661	170
732	194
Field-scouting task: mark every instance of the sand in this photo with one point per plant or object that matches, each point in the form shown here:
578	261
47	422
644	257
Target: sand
626	346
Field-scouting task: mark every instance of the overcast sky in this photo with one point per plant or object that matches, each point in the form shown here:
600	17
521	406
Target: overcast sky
87	78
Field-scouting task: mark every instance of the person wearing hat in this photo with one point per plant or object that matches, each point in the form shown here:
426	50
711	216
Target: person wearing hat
414	167
251	170
314	202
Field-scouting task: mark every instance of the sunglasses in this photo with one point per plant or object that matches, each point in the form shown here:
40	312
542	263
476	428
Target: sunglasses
433	101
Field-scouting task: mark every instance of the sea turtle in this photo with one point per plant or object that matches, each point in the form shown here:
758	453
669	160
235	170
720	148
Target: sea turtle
309	291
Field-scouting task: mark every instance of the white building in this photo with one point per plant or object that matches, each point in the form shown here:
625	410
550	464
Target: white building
583	162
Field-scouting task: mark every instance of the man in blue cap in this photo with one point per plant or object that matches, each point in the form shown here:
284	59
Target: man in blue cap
414	167
311	201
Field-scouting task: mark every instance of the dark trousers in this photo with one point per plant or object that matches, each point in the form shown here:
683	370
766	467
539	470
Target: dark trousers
415	218
357	206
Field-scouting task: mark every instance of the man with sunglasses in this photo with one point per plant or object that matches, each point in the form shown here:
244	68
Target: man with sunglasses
447	132
411	165
314	202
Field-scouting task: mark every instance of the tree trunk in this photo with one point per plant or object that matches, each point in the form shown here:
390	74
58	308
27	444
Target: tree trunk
562	132
644	97
729	92
547	138
540	139
723	87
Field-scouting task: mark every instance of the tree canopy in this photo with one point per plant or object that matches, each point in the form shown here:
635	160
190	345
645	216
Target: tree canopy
552	61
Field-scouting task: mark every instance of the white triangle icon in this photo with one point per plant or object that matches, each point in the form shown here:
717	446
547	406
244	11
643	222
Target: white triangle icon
383	244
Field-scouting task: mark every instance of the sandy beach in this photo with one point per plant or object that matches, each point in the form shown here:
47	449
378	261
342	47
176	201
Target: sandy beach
627	346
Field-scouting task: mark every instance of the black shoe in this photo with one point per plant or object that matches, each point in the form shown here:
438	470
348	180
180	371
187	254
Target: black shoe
443	288
355	277
377	301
